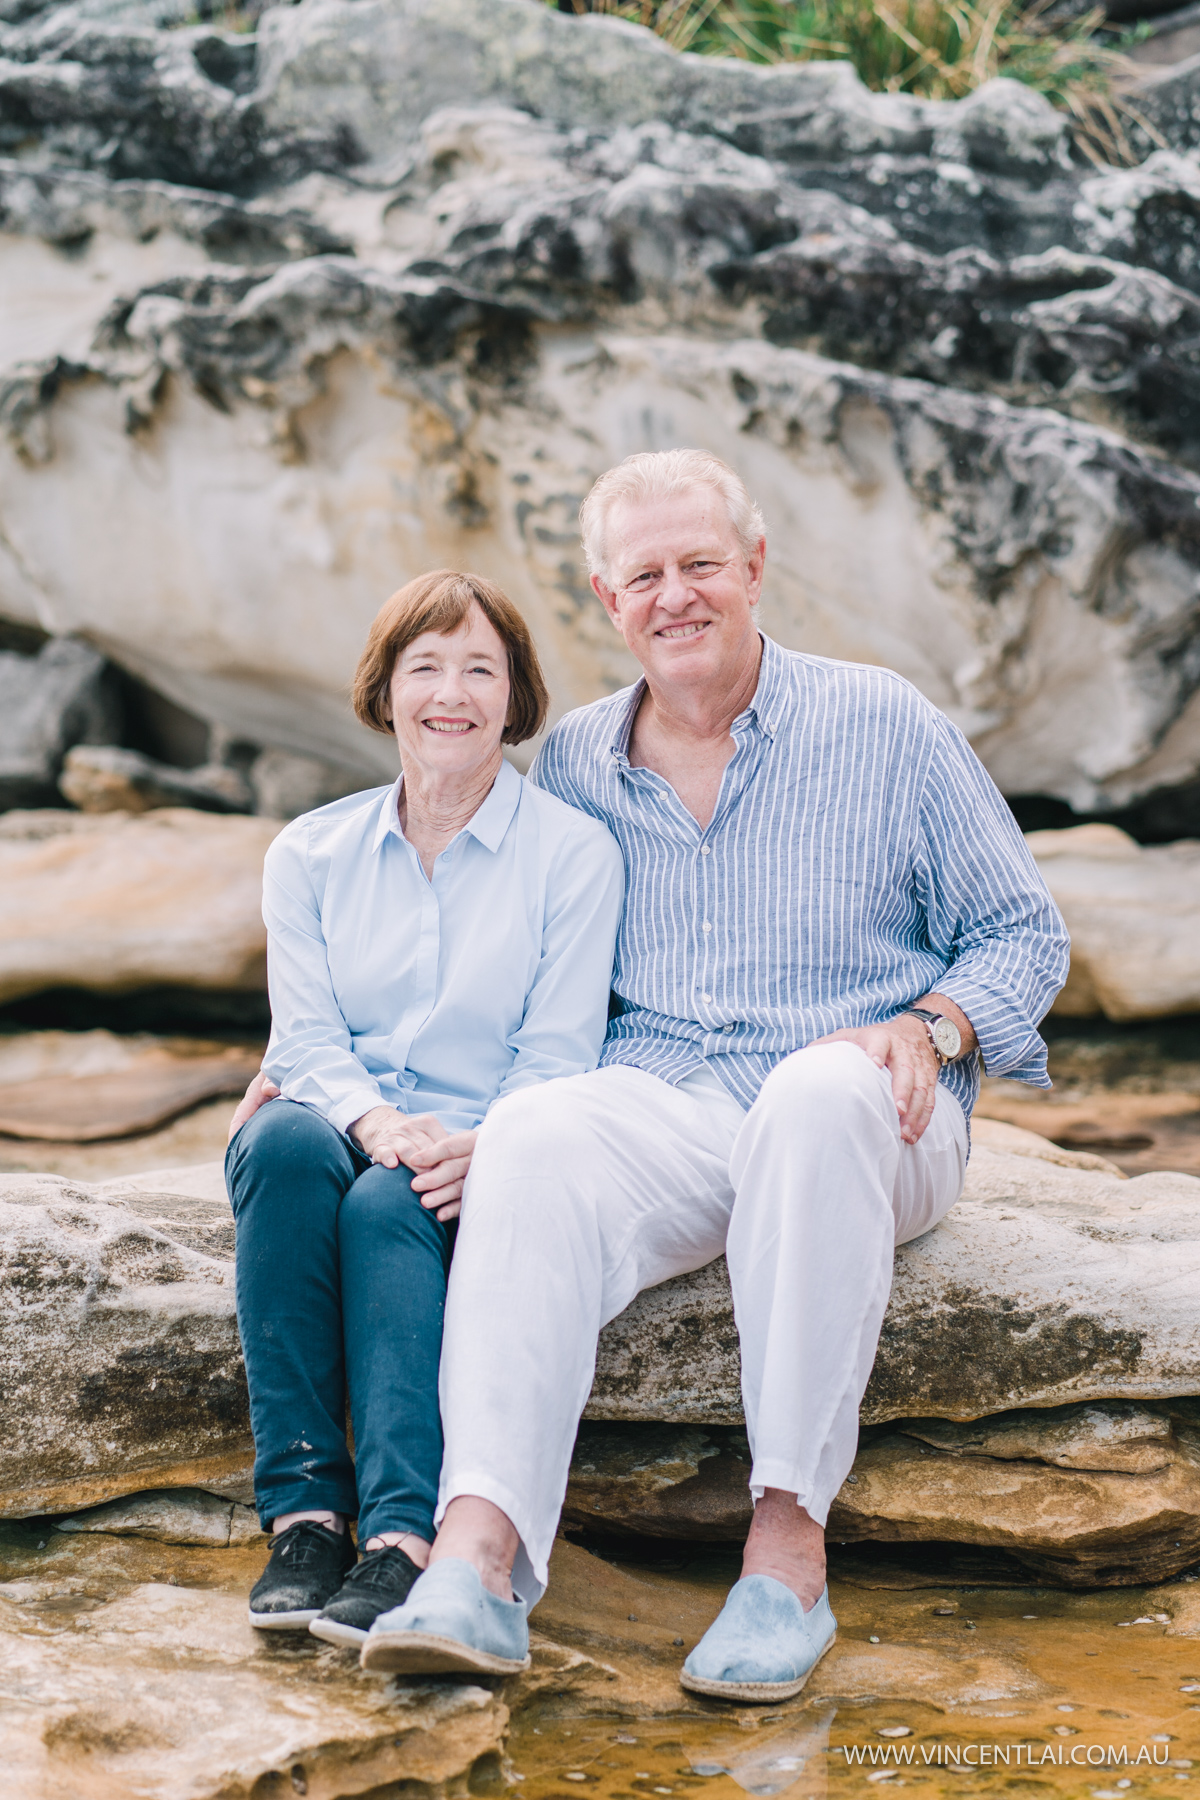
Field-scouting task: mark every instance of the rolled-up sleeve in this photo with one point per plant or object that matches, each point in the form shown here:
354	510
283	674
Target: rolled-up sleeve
310	1055
566	1014
989	912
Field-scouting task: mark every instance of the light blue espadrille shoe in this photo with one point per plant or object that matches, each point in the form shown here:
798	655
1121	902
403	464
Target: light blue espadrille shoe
762	1645
450	1624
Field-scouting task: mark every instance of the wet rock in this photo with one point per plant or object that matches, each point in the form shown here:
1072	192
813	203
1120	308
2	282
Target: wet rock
1134	918
61	696
186	1516
166	1691
112	902
1044	1285
120	1366
105	779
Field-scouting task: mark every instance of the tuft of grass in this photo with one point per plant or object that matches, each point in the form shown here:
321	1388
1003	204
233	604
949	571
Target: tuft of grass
931	48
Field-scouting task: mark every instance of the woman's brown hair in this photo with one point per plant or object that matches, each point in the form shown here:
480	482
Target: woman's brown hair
440	602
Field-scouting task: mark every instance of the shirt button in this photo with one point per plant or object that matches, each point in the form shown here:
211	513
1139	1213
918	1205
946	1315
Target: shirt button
706	998
707	925
731	1028
706	850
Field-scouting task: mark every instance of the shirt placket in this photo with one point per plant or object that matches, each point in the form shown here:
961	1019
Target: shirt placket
424	972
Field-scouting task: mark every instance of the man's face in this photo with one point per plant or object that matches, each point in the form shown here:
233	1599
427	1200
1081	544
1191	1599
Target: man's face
682	588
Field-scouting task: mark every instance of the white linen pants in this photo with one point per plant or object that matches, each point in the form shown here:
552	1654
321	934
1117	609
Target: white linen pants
585	1190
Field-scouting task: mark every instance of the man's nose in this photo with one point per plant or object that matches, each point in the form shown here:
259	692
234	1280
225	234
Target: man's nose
675	594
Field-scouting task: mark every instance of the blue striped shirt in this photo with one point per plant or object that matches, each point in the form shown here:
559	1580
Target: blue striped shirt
859	857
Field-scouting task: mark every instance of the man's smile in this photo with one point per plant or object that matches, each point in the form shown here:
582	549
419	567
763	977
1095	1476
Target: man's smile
691	628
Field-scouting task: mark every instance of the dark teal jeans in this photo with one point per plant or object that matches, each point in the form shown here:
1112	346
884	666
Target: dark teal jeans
341	1291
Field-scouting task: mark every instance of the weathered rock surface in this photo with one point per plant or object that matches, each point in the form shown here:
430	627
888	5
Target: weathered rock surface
166	1692
1103	1495
61	696
1043	1285
121	1374
105	778
385	284
1134	918
120	1366
187	1516
113	902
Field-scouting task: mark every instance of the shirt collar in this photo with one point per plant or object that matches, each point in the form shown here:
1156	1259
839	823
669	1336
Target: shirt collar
488	825
766	707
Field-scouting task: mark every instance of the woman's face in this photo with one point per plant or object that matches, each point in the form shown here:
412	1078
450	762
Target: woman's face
449	698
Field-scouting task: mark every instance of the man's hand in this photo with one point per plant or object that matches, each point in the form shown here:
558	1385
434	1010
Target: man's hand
257	1094
904	1048
390	1138
440	1172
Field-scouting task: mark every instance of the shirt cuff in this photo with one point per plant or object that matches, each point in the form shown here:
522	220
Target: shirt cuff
344	1112
1009	1045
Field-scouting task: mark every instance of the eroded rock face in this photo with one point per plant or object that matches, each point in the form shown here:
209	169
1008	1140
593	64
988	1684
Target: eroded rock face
113	902
62	696
1103	1495
1098	1495
386	285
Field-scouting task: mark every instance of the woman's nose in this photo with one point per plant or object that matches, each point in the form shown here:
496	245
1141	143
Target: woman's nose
451	688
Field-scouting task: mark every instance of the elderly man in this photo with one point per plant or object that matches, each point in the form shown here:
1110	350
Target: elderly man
830	918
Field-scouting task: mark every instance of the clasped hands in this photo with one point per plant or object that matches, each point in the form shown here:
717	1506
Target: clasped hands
438	1158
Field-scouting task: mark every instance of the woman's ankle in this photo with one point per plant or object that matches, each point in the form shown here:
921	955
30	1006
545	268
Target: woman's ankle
415	1548
332	1521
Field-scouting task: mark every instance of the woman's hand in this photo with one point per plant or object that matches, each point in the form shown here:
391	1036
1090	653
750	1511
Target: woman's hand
440	1170
390	1138
261	1090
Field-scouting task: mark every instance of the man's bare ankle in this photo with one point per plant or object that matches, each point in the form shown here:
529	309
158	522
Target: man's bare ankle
788	1545
475	1531
806	1580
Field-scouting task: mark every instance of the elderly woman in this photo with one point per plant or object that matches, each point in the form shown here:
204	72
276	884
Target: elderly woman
432	947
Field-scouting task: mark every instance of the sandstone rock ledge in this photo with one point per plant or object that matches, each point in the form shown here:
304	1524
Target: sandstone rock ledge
1034	1391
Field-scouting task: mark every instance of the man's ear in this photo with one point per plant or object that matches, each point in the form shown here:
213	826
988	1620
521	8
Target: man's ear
755	565
608	600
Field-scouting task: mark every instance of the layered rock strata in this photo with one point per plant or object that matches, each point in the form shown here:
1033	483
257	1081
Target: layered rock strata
113	902
1032	1391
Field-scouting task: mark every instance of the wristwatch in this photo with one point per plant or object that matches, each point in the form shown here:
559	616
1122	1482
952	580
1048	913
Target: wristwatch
944	1034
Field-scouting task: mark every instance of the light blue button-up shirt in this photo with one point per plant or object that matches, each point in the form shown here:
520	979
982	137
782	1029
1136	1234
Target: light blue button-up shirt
388	988
859	857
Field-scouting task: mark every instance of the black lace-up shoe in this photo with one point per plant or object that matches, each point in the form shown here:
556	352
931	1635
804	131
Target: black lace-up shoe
379	1582
307	1567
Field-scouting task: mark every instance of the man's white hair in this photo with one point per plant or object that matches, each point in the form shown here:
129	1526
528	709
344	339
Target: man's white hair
659	475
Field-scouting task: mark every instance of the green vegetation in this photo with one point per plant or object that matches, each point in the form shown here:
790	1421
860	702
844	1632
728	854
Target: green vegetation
941	51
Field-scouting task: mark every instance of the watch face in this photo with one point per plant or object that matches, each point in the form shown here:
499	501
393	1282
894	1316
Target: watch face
947	1038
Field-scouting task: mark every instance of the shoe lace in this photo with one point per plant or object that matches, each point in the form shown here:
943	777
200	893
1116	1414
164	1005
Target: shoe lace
379	1568
305	1544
